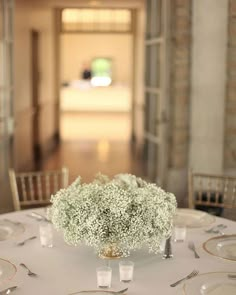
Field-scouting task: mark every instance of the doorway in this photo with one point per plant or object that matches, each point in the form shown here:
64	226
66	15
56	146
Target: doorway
97	128
98	42
96	111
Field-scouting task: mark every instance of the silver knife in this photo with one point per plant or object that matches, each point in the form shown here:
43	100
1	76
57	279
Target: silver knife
11	221
101	291
8	290
38	216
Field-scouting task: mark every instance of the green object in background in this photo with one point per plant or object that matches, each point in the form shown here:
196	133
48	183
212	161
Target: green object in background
101	67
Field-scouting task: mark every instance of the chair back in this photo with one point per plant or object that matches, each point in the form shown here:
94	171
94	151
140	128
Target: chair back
211	190
31	189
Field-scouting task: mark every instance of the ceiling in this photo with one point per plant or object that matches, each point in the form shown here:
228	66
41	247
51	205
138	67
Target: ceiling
88	3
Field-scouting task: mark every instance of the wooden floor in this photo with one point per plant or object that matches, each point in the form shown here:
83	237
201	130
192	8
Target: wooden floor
95	143
87	158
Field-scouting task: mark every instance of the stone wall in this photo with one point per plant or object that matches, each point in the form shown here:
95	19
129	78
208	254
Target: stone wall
180	83
230	104
181	29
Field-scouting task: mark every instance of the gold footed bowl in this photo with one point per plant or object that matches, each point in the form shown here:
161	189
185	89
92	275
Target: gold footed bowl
111	252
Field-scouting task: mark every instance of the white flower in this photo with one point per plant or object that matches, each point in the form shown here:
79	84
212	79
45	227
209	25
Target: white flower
126	211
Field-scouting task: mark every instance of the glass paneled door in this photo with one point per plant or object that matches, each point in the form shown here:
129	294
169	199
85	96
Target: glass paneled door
6	66
6	96
156	90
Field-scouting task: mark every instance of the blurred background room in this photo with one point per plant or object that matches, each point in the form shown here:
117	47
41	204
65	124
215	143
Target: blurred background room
118	86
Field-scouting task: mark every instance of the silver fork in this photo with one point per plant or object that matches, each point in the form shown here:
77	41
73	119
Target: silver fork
30	273
191	275
218	232
28	239
215	228
219	229
8	290
191	246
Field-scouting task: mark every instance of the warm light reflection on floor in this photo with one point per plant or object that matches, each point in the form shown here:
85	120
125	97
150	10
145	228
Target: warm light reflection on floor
103	148
95	126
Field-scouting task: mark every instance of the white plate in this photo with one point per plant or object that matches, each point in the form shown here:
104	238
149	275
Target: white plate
216	283
222	246
193	218
10	229
7	270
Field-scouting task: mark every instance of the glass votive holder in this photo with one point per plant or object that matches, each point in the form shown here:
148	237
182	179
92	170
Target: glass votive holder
162	245
126	270
180	232
46	234
104	274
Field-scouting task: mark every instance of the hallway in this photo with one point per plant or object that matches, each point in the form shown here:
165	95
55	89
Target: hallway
95	142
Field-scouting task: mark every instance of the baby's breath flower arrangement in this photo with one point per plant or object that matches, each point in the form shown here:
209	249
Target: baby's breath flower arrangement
121	214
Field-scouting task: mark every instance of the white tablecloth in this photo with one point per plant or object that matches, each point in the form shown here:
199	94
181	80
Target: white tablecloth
65	269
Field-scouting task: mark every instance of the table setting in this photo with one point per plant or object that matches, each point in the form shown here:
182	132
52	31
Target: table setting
59	250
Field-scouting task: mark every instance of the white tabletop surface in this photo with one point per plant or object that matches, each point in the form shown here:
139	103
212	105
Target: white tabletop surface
65	269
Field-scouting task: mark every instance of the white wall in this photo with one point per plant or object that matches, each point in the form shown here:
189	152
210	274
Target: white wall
76	49
208	78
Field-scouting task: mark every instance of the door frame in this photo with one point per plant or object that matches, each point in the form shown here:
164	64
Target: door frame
35	94
158	156
57	68
7	124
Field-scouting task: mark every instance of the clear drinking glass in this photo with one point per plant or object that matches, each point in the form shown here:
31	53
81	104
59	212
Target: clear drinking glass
180	232
162	246
46	234
126	269
104	274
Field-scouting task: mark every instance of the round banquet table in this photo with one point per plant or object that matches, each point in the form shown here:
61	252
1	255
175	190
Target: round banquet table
64	269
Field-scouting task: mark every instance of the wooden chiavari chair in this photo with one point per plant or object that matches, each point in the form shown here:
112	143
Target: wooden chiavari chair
34	189
211	193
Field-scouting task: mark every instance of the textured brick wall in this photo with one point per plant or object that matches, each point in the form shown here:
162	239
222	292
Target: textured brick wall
230	104
180	82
